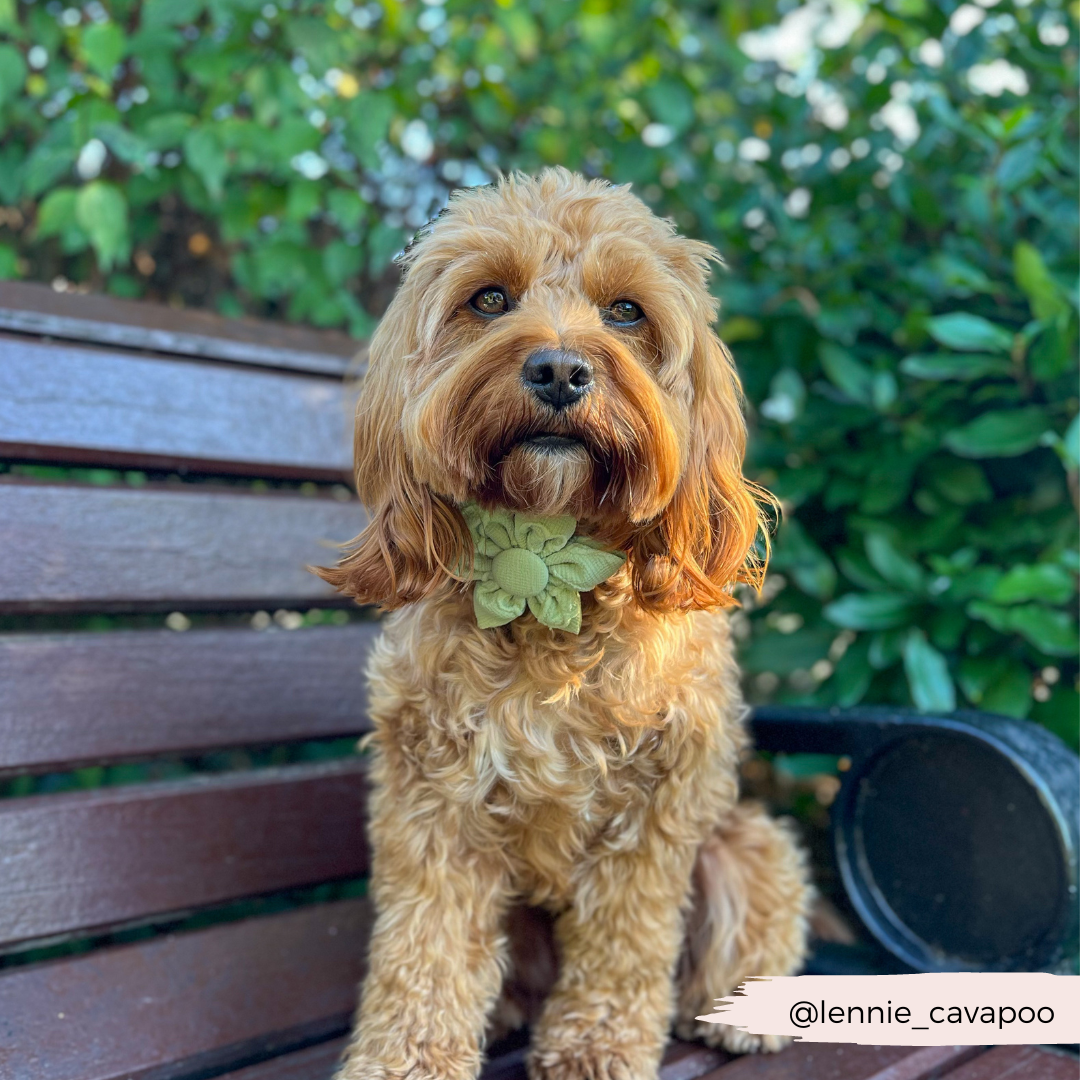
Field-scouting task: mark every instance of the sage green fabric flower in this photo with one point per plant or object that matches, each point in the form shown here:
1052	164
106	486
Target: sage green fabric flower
524	559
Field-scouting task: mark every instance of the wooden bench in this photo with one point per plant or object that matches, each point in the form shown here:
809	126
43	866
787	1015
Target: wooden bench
213	923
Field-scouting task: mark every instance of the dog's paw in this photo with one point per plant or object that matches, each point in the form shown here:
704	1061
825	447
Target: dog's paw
732	1039
592	1062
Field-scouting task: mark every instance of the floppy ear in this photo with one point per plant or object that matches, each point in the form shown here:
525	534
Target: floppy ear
703	542
414	536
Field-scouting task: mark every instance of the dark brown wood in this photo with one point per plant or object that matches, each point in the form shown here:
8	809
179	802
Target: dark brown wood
72	548
186	1003
683	1061
928	1063
88	406
37	309
821	1061
311	1063
688	1061
74	699
1019	1063
117	855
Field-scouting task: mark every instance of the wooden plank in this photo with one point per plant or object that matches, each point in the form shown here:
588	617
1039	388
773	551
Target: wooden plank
311	1063
683	1061
928	1063
70	548
37	309
1019	1063
73	699
688	1061
114	856
186	1003
88	406
822	1061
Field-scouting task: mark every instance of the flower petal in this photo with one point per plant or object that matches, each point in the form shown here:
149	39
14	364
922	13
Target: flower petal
583	565
493	606
543	535
559	607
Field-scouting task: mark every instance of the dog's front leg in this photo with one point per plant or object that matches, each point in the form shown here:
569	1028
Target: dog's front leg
434	967
609	1015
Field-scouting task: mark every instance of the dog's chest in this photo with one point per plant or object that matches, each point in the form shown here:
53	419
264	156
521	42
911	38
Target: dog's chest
539	755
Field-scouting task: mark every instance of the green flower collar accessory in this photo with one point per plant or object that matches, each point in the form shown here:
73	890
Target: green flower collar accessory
524	559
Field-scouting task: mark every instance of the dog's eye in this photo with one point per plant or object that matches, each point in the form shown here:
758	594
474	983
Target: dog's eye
624	313
490	301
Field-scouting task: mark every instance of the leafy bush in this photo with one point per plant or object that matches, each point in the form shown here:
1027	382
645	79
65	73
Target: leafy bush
894	189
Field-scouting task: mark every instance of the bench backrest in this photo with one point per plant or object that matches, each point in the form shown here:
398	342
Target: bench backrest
199	407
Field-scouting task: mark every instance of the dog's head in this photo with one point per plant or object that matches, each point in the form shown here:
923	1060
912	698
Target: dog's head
550	349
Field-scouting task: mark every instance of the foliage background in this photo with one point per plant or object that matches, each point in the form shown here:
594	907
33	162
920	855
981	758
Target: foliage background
892	184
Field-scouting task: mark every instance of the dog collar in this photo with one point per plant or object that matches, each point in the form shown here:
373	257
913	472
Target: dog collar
524	560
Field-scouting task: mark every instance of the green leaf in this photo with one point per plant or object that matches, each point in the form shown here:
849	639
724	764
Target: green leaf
1044	293
12	72
204	153
1044	581
341	261
852	676
1010	693
961	482
9	263
869	611
12	157
170	12
1053	350
897	569
939	367
103	47
846	373
1003	433
45	165
671	103
969	333
782	654
369	120
1071	443
101	212
166	130
125	144
1019	164
1061	715
798	555
56	212
1052	632
928	676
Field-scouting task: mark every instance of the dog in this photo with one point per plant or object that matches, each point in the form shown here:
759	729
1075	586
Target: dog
549	358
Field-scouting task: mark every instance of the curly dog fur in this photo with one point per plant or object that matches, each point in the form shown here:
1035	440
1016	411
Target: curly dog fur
594	775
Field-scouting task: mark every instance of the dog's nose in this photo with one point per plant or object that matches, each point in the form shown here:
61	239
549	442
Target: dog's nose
558	377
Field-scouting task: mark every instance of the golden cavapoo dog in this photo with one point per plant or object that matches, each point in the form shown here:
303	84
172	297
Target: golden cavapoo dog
549	354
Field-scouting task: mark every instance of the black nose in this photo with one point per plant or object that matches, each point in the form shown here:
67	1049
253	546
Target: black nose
557	377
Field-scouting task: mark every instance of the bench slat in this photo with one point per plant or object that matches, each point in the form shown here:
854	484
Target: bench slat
682	1061
822	1061
114	549
37	309
311	1063
192	1002
1019	1063
86	406
73	699
109	857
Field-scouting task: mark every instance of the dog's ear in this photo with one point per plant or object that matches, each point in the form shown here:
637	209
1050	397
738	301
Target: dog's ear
414	538
705	541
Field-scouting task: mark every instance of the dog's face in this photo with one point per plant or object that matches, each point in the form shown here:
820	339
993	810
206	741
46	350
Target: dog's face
550	350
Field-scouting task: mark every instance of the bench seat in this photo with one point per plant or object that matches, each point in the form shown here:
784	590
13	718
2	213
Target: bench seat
205	916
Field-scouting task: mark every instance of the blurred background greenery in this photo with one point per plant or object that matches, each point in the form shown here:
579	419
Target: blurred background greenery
892	185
